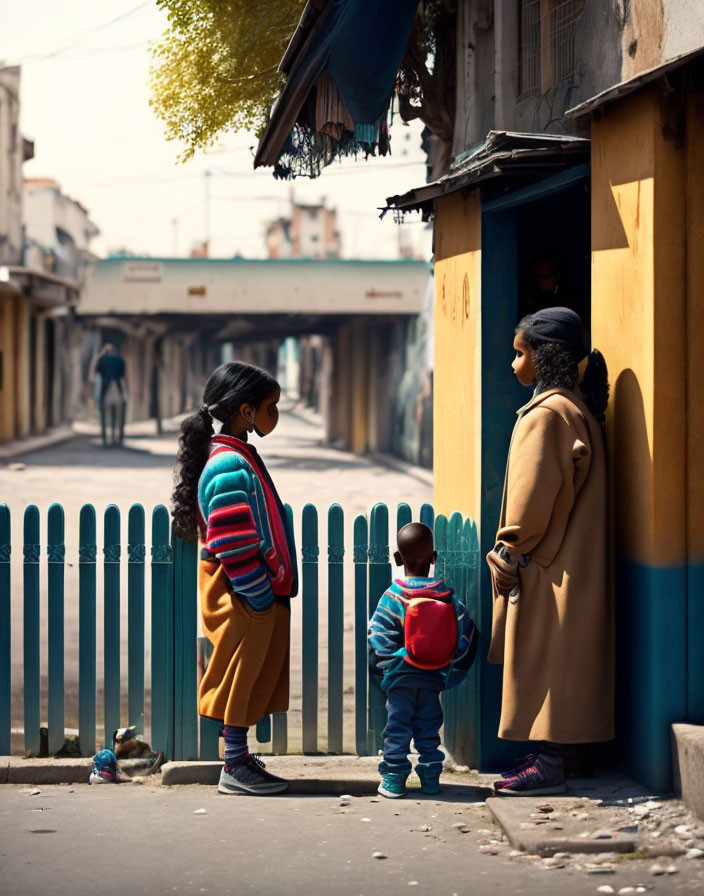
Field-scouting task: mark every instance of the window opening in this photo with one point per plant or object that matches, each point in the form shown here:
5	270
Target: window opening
529	50
564	17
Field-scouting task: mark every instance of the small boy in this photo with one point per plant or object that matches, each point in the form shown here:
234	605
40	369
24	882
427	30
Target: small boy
422	642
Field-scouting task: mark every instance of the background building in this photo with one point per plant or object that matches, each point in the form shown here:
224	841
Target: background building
37	375
308	231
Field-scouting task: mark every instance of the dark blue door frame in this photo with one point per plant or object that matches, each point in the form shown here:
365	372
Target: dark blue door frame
501	396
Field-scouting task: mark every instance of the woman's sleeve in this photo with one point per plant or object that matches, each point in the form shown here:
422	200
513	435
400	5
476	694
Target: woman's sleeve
234	535
540	478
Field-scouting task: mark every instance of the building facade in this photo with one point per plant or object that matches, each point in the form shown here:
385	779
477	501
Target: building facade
37	384
576	152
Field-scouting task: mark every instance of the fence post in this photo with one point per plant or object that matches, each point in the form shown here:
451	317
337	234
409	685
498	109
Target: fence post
441	566
279	733
336	624
56	553
5	631
310	552
379	581
185	648
162	633
361	661
135	616
177	603
87	552
427	515
111	621
404	516
32	551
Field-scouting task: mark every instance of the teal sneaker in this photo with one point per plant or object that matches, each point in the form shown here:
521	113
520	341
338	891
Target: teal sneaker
429	774
393	785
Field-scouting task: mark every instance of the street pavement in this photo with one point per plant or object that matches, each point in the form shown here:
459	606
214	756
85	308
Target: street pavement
117	839
82	470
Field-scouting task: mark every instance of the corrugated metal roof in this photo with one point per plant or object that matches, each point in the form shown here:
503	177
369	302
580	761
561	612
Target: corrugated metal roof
624	88
503	152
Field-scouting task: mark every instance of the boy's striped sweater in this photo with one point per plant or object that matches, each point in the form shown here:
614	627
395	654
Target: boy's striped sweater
387	640
246	527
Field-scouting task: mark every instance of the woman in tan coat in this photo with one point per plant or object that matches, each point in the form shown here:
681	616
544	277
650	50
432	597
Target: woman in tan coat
552	622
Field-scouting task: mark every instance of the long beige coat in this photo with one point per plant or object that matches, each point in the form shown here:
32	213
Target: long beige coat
556	640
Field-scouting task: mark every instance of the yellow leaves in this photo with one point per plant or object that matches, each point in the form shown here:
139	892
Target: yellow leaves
215	70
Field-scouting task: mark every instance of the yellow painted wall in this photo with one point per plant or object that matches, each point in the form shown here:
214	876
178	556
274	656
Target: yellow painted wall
457	377
638	317
695	327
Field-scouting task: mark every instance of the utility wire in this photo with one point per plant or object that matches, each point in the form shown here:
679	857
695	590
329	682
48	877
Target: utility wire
52	54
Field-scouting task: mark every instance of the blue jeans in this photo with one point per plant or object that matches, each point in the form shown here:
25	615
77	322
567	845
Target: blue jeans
413	713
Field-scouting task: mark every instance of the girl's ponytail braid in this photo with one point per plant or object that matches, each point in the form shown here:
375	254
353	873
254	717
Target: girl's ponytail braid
193	451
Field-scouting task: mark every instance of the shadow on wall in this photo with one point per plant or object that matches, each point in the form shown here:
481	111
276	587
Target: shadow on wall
650	604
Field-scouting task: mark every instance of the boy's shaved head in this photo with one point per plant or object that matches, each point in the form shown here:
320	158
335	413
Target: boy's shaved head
416	548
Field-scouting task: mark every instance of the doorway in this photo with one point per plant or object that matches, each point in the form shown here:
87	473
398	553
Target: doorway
536	253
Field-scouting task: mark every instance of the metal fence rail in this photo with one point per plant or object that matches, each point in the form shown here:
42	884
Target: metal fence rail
174	723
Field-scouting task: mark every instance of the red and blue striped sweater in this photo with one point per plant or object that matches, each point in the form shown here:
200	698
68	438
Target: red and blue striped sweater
247	528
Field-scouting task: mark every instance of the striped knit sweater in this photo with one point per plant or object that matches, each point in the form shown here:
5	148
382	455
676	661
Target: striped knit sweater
246	527
386	639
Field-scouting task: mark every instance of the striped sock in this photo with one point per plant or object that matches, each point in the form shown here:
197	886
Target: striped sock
235	743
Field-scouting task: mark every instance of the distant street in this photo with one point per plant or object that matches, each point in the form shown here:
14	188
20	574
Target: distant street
82	471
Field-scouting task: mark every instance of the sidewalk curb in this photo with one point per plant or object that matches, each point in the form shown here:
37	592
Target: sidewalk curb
510	814
9	451
208	773
688	763
325	775
17	770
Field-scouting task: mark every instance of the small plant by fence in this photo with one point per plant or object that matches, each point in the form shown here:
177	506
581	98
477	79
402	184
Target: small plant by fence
174	723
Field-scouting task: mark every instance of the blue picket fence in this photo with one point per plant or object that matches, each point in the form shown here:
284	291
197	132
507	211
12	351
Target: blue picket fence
174	722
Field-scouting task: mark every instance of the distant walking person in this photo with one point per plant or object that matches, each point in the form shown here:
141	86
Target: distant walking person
422	642
111	393
247	572
552	623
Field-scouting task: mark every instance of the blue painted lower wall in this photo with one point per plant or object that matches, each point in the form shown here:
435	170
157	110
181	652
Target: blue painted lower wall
651	667
695	643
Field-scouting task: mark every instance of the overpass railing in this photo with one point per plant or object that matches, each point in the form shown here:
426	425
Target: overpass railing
155	594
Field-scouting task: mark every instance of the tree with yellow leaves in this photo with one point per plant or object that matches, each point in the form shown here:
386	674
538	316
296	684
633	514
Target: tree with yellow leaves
216	67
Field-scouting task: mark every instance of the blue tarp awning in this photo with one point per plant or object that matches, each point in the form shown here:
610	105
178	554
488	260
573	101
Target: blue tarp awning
352	49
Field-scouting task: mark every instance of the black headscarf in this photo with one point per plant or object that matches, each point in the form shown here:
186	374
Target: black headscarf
558	325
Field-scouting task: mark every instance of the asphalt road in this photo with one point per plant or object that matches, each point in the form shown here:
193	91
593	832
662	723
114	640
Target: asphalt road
118	839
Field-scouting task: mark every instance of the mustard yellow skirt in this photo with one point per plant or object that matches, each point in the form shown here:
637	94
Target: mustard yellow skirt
248	674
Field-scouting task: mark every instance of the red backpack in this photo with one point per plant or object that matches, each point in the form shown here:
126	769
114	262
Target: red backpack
430	627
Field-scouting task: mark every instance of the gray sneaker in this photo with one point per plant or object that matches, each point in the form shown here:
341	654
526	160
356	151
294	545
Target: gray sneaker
249	775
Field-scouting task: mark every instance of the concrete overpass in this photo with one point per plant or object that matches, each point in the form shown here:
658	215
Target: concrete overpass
177	318
230	296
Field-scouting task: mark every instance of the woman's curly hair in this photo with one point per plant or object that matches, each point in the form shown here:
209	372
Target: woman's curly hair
557	367
228	388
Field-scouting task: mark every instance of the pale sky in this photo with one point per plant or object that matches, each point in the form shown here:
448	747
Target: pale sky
85	103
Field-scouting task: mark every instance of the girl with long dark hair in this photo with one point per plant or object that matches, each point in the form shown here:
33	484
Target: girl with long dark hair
552	622
224	496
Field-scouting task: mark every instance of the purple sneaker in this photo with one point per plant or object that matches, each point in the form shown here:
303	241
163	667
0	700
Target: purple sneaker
542	778
520	764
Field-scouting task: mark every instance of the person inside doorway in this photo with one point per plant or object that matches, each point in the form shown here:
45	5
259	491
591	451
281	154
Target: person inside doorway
552	618
111	394
247	574
545	285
